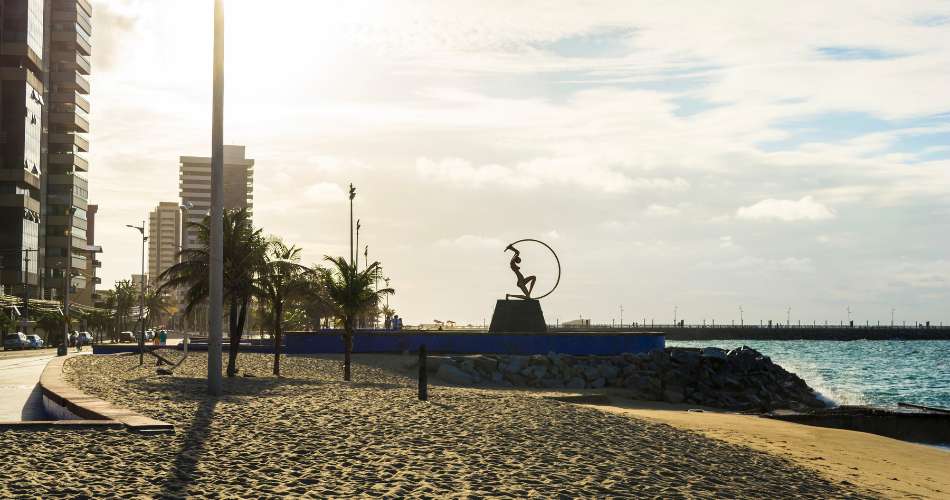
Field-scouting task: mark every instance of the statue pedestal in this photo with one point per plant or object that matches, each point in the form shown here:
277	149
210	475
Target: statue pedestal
518	315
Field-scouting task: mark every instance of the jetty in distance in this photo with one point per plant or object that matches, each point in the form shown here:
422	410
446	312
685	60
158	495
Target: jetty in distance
782	332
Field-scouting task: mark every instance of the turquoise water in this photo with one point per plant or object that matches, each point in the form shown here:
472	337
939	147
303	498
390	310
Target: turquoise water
865	372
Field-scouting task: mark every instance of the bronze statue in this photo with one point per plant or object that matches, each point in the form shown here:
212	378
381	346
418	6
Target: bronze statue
526	284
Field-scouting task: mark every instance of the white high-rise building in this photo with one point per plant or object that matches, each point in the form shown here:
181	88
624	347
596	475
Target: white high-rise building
195	187
164	233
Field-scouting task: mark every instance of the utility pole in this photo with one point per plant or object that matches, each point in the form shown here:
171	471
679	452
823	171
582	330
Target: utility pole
675	309
741	317
141	295
892	317
621	315
788	316
849	314
352	195
25	316
216	219
356	266
68	276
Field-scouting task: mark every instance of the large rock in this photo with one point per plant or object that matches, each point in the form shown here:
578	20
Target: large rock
453	375
714	353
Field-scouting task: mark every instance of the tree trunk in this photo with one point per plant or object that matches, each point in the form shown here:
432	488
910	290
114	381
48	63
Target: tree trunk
347	349
236	319
278	333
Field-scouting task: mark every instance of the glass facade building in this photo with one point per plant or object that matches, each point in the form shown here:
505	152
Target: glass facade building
44	119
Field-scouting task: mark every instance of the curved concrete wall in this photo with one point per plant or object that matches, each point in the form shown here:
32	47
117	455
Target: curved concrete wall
578	344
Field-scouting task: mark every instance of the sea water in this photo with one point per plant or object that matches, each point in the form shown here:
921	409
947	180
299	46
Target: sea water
863	372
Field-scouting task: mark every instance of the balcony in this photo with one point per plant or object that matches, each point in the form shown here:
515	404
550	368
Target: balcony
97	263
69	160
69	122
75	39
19	201
18	176
66	142
69	80
70	60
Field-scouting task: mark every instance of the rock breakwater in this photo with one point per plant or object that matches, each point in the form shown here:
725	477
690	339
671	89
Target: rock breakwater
742	379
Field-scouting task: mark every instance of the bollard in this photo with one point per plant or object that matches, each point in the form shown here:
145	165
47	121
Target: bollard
423	375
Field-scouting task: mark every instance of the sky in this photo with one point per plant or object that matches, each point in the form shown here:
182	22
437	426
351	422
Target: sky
681	157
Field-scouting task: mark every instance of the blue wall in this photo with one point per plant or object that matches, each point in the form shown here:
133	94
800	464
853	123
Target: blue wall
473	343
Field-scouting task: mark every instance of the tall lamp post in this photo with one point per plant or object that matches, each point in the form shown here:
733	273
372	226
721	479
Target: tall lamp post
25	316
141	230
352	195
67	275
216	219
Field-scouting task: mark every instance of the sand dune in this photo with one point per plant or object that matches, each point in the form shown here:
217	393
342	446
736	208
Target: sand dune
310	435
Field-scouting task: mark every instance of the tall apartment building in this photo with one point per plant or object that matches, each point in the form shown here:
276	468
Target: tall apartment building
69	30
21	130
44	58
195	186
164	233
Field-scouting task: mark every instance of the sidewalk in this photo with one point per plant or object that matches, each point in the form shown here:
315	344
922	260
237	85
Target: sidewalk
20	395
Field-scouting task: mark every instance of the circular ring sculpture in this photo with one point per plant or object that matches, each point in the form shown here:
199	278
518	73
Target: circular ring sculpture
522	281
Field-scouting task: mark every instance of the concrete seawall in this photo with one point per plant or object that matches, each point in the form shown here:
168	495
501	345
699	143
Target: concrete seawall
576	343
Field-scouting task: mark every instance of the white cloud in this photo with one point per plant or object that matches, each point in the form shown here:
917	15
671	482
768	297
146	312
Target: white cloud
786	210
726	242
472	241
656	210
324	193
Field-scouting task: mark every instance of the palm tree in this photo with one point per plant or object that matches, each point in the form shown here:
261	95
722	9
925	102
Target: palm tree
157	306
315	299
244	250
278	281
351	290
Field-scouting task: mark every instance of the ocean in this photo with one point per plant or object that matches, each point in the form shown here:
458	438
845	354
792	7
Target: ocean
865	372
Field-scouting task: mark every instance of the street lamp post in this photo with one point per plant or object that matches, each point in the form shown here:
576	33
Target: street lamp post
141	230
356	265
352	195
216	219
741	317
25	316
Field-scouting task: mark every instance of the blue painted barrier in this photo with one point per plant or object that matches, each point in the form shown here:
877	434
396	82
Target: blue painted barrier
578	344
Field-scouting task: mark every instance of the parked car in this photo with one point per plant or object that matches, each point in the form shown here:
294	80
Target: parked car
35	341
149	335
15	342
86	338
127	337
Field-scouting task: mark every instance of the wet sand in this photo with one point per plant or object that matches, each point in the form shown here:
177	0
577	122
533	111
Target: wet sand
311	435
893	468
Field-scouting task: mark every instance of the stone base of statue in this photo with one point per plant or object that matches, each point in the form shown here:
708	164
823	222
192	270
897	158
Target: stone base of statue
518	315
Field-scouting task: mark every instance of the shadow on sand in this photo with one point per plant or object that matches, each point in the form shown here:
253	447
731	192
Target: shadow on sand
186	461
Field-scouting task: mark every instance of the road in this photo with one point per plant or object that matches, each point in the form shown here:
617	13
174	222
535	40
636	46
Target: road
20	396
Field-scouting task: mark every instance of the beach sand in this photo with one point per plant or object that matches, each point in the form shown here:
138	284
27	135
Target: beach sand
312	435
893	468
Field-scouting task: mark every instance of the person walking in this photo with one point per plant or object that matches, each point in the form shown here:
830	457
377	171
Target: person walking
79	343
162	337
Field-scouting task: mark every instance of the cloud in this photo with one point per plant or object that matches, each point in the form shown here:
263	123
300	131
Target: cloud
324	193
656	210
786	210
471	241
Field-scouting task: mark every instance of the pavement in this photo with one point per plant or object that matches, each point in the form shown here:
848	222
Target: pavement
20	395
